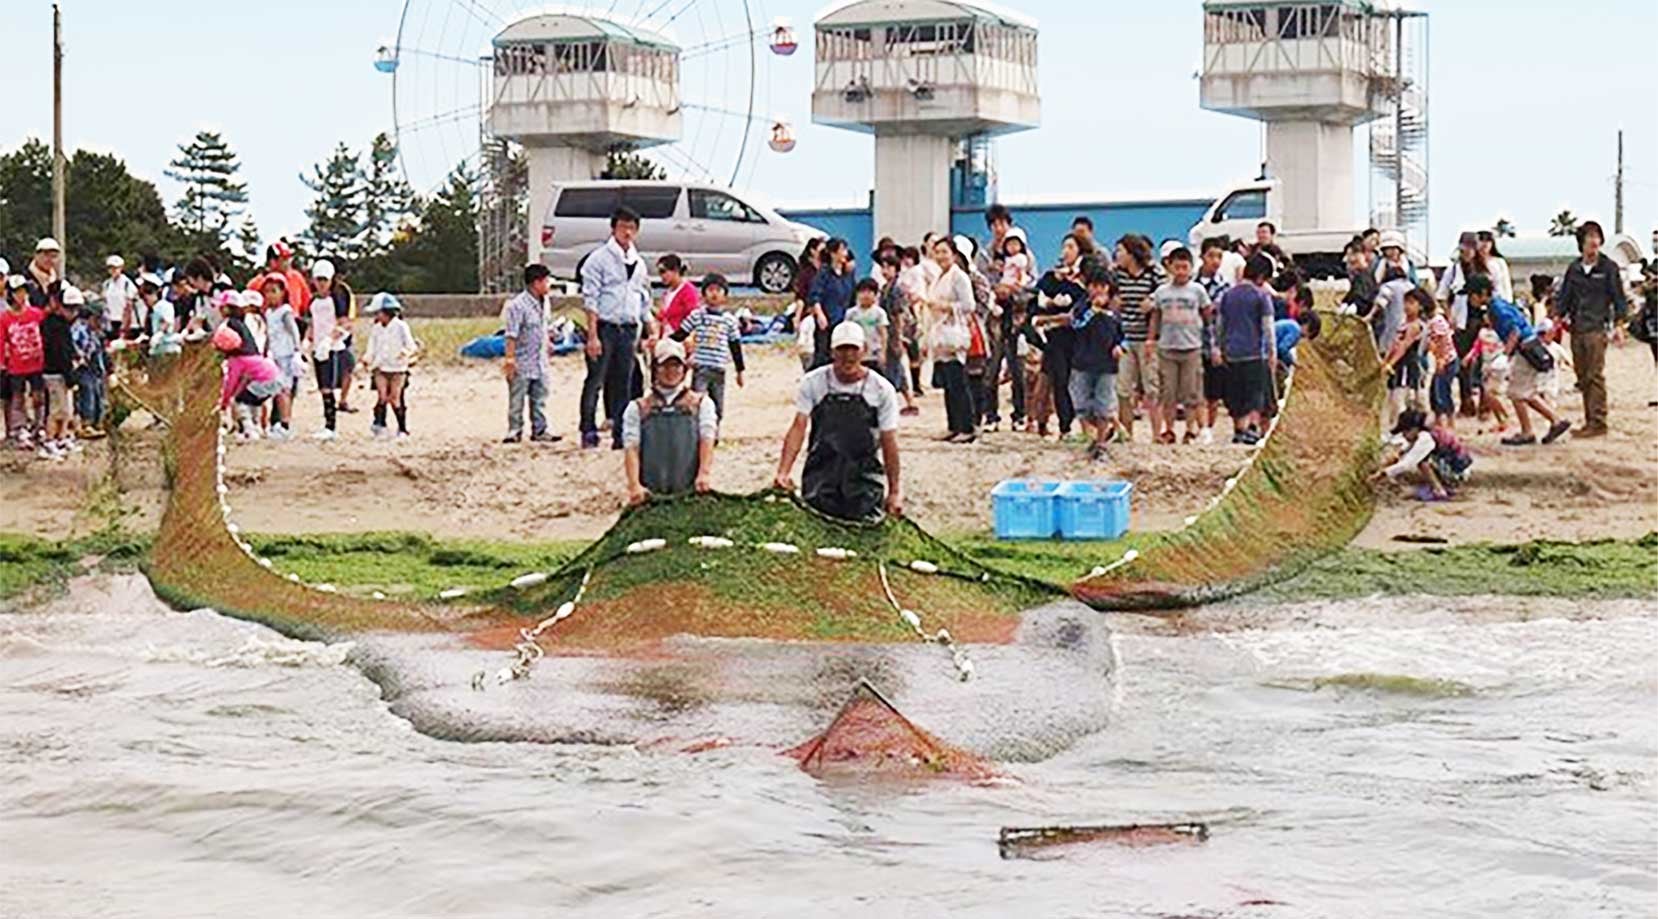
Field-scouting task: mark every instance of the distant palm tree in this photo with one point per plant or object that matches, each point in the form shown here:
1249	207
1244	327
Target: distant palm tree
1504	228
1565	224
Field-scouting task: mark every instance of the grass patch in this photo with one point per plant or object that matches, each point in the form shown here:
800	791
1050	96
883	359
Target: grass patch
409	565
28	563
1603	569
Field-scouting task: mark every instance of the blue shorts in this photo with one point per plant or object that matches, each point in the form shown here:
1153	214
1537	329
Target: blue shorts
1094	395
1439	393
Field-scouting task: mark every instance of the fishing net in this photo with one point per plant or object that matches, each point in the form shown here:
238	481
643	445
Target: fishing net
1303	495
869	737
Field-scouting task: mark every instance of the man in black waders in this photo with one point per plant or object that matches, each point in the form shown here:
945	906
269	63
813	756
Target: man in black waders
852	461
668	436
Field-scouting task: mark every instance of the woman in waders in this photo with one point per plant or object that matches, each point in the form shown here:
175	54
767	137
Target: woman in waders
852	461
668	435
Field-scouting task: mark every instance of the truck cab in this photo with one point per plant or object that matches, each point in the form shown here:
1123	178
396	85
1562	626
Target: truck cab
1240	208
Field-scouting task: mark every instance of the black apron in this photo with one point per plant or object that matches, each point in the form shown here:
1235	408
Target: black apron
668	444
843	476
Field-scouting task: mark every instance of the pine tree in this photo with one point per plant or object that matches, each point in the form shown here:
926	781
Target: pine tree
250	255
388	201
1504	228
337	228
1564	224
207	168
622	163
441	255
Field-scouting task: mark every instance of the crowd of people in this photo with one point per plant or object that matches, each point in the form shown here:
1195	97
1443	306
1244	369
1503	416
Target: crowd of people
1107	337
60	344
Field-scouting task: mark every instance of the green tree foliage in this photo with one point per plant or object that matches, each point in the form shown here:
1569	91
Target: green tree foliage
207	168
108	210
250	252
622	163
1504	228
440	254
388	201
1564	224
336	228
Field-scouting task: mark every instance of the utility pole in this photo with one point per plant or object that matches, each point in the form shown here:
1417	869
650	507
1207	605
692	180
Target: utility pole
58	228
1617	206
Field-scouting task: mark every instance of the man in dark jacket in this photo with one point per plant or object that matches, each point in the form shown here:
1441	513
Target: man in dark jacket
1592	300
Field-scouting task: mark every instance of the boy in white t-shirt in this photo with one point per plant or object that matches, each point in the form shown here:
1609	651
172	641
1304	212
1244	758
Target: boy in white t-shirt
867	313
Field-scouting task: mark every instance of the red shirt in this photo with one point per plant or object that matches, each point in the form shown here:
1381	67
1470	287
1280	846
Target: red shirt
22	350
299	289
679	303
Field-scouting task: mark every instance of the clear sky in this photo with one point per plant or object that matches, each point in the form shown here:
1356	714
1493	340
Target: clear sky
1527	96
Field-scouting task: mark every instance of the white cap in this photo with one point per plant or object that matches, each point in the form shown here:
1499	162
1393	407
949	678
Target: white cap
1545	326
16	282
115	261
323	269
253	298
1167	249
847	334
151	279
1019	234
1392	239
965	245
72	296
48	244
667	349
5	268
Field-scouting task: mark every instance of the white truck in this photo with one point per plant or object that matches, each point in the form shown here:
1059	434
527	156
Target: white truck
1241	208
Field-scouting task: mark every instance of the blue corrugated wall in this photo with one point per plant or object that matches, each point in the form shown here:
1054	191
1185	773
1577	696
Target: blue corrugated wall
1045	224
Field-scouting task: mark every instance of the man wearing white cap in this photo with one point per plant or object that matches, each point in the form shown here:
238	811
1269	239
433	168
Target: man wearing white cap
43	271
668	435
851	467
120	298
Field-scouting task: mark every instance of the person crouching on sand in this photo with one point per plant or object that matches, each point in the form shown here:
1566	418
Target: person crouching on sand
1431	451
250	380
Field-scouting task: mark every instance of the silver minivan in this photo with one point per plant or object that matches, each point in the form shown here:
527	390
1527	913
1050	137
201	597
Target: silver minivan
715	229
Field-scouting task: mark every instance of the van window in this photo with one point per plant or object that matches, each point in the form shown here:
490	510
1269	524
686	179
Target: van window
653	202
1243	205
716	205
587	202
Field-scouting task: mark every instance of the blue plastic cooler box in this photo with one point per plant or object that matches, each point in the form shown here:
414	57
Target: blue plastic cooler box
1024	508
1093	510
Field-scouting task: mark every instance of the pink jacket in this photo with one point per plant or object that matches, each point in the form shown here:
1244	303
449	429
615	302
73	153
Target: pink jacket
242	369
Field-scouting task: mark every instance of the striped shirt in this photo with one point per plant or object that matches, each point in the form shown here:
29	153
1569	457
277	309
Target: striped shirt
1215	285
711	334
1135	292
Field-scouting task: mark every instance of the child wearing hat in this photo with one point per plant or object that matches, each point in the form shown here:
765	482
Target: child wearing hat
91	371
391	352
250	379
22	360
57	367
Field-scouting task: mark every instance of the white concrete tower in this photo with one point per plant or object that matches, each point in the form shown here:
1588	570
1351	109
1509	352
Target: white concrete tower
569	87
1307	68
921	75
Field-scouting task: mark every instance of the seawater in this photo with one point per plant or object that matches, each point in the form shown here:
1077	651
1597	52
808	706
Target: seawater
1367	758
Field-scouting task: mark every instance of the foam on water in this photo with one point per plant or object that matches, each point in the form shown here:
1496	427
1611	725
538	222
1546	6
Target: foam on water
136	783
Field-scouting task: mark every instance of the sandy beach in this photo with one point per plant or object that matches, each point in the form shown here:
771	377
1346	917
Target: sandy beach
454	478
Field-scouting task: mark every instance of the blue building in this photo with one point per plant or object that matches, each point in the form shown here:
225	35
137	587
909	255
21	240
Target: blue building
1045	222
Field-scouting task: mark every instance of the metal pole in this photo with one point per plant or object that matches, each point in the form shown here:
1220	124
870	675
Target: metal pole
1617	209
58	228
1399	121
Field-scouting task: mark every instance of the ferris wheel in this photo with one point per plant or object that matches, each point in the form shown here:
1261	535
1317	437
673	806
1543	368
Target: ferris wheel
443	52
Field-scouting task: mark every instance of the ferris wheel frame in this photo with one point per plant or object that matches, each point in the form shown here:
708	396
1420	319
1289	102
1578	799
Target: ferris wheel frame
747	117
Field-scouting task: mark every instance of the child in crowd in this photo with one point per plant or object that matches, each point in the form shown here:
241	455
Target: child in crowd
1017	270
1403	362
1031	348
866	312
1178	308
716	342
250	380
1446	366
282	346
1243	326
1492	361
1215	278
1096	352
1287	335
1542	295
391	352
58	368
22	354
91	371
895	302
912	279
1387	314
681	298
166	338
1550	335
1431	451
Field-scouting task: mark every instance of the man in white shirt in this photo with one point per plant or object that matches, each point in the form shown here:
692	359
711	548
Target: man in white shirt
120	299
615	293
851	467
